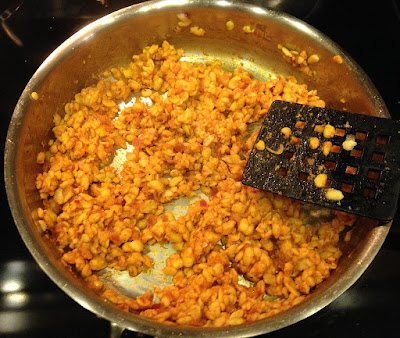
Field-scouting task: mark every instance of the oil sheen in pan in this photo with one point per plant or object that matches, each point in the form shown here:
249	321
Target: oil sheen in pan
136	286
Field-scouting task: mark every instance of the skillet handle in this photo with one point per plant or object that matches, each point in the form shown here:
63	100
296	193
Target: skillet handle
116	330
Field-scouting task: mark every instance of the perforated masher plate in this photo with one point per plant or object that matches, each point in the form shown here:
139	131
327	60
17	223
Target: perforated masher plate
368	175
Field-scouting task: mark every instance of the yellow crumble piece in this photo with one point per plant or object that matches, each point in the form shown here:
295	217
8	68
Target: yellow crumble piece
35	96
260	145
248	29
184	20
314	143
350	143
326	148
196	30
329	131
320	180
334	195
286	131
313	58
230	25
41	157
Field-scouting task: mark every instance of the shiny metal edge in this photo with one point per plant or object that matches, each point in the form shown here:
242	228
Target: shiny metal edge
106	309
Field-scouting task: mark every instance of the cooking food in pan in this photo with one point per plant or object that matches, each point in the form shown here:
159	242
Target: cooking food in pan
184	131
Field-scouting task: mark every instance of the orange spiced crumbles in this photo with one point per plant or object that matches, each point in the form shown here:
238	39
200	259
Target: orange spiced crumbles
194	138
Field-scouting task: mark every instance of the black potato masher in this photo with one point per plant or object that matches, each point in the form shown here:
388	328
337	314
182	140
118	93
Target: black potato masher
300	152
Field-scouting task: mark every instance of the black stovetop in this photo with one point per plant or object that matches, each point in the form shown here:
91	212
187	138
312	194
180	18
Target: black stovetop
32	306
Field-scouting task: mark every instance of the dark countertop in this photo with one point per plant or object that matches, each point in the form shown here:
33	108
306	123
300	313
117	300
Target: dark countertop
32	306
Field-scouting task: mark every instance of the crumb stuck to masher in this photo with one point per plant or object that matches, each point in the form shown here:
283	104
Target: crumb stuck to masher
260	145
349	143
334	195
320	180
286	131
314	143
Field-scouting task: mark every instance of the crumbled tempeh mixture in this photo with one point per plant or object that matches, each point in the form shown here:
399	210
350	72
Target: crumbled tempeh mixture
194	138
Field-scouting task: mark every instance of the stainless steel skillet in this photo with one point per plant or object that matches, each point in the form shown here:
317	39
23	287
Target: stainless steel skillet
110	42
